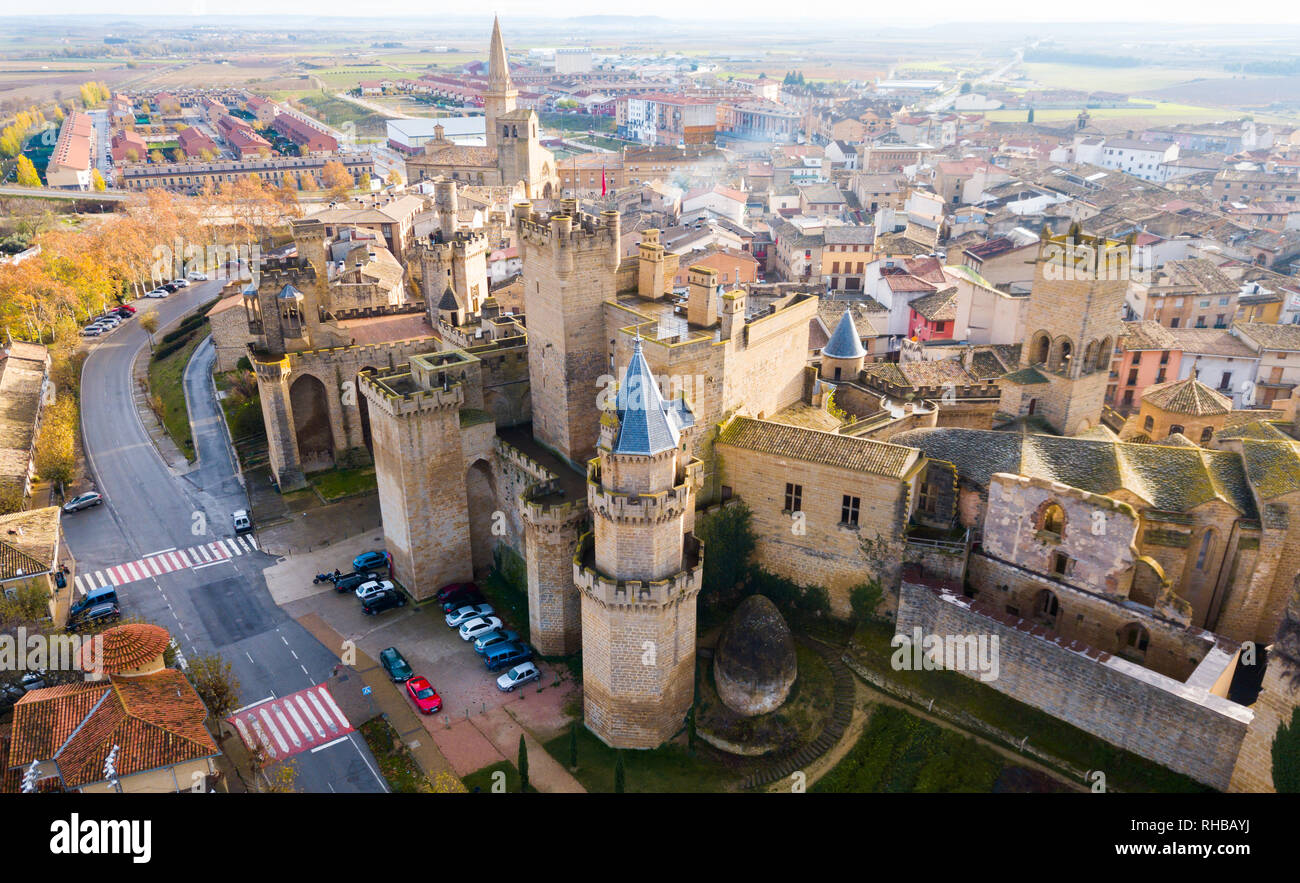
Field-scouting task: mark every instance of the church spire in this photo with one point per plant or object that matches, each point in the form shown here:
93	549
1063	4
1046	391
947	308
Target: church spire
498	67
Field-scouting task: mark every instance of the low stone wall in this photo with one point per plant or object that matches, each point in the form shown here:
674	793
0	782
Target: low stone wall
1182	727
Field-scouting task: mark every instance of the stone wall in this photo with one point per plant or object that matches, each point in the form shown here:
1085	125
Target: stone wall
1185	728
827	552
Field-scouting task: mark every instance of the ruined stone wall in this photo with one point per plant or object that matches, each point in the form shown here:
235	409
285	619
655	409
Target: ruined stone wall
1187	729
1097	537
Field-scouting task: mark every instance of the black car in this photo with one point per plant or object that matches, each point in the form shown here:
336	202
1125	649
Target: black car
382	601
170	286
100	614
462	599
349	582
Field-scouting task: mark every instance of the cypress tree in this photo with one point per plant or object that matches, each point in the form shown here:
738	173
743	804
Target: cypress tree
523	765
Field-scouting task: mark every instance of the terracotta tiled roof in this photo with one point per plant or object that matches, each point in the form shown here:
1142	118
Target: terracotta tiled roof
45	718
816	446
938	307
1271	337
1147	334
29	542
125	647
1189	396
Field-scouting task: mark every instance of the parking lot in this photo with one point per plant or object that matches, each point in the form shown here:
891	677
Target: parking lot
478	724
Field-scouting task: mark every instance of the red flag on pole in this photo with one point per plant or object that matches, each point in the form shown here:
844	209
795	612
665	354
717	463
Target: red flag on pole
602	181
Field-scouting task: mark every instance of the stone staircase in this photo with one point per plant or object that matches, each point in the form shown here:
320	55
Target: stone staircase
841	714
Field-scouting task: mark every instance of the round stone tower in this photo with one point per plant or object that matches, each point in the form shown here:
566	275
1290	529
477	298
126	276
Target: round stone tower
639	570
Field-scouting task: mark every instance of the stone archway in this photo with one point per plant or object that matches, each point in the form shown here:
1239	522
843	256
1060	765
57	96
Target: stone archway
311	423
481	496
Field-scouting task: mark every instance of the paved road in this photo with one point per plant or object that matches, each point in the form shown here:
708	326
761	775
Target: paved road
220	605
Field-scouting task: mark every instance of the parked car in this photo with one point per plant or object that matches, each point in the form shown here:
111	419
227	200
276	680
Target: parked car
158	292
196	276
483	643
123	315
374	587
181	283
349	582
463	614
170	287
462	600
423	695
92	331
520	674
383	601
503	655
126	308
110	322
84	501
451	590
395	664
243	524
479	625
370	560
100	614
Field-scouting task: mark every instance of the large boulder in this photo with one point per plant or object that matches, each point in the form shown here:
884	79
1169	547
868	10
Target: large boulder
754	665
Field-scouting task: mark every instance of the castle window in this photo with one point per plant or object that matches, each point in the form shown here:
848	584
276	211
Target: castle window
1046	607
1042	346
849	507
1060	563
1054	520
1207	549
1133	641
1175	428
1148	424
1206	434
793	497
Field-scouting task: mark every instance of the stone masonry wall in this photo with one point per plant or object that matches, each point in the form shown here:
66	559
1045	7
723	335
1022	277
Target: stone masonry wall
1184	728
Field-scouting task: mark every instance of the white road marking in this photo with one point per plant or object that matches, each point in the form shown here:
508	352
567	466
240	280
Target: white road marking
315	724
329	721
284	721
327	745
334	709
161	551
279	740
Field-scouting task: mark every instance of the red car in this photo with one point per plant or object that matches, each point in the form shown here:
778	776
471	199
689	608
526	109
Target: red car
423	695
126	308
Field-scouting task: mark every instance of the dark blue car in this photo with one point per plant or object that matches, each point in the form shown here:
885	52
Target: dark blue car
370	560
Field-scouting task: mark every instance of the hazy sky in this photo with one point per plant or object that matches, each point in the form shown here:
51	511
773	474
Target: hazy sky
1180	11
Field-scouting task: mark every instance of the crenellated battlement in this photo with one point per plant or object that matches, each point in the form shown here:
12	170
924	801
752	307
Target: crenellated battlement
399	394
638	595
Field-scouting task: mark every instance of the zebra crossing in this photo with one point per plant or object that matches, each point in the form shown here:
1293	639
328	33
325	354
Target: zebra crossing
164	561
291	724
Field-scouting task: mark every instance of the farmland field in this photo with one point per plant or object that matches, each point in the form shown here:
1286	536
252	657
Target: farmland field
1135	80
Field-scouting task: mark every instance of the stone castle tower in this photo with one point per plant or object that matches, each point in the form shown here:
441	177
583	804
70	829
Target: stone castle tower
639	570
570	269
453	264
1073	324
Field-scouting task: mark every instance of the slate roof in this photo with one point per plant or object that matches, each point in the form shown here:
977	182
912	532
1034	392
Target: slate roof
1188	396
646	426
817	446
845	342
448	301
1169	478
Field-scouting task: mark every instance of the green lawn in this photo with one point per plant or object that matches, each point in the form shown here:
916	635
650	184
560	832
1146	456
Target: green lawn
165	383
396	765
1124	770
486	778
901	753
338	483
670	769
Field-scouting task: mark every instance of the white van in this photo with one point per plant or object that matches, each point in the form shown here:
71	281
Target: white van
243	523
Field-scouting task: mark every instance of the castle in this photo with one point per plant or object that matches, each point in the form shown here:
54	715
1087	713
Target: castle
587	439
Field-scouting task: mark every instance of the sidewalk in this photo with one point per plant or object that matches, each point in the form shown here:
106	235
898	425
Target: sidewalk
167	449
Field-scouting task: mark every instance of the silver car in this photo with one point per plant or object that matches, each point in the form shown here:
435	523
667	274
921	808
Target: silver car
456	617
520	674
84	501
